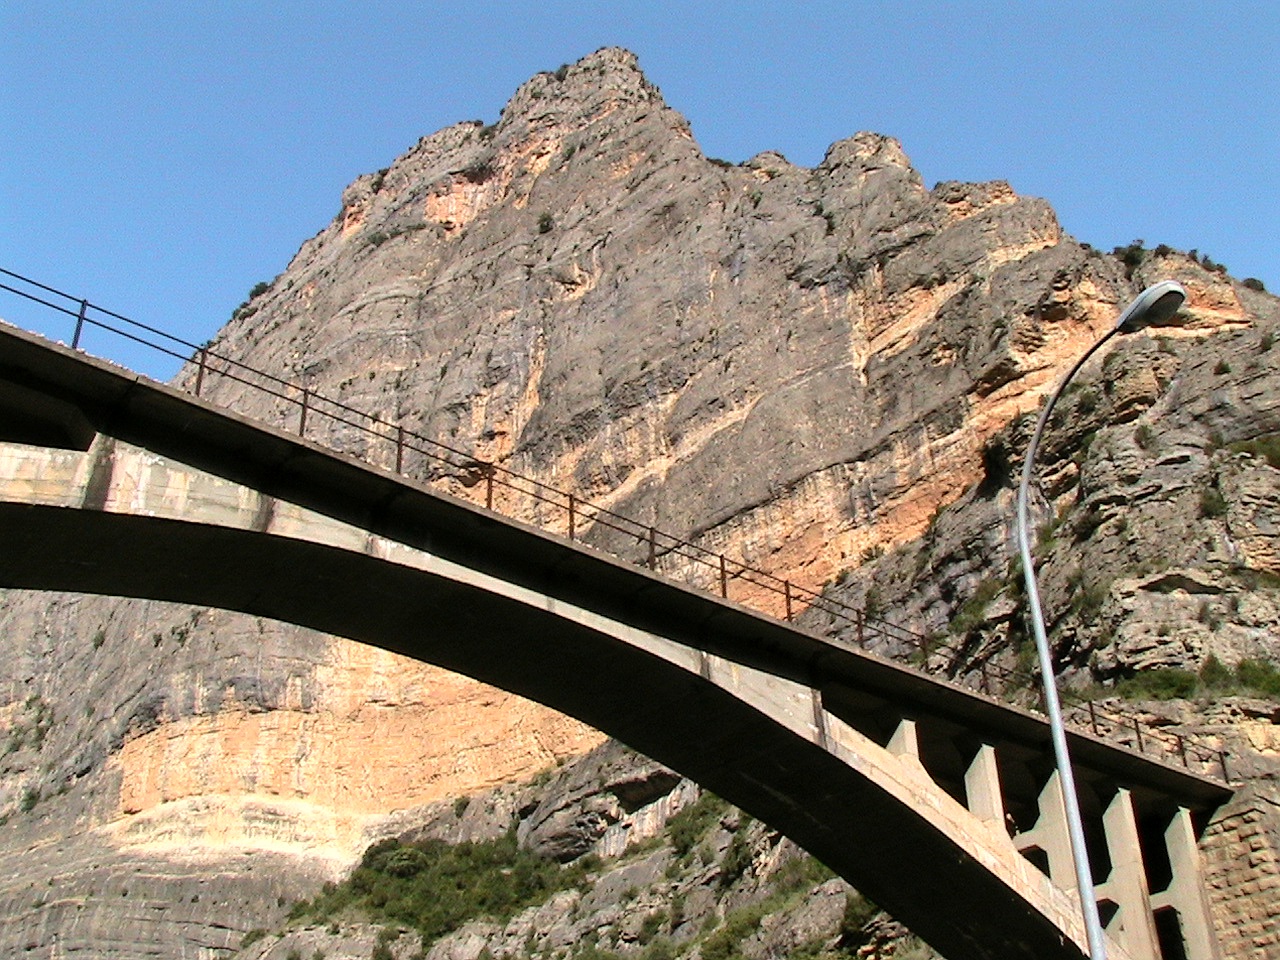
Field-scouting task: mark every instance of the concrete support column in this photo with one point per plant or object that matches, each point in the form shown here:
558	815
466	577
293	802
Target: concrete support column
1186	893
820	719
1126	885
982	788
904	743
1051	836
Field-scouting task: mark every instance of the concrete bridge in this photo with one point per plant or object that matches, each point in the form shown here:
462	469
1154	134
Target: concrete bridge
941	804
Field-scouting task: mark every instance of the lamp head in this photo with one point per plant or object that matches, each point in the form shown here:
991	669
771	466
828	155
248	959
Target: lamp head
1152	307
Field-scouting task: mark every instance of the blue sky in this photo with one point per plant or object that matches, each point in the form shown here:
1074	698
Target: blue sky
161	158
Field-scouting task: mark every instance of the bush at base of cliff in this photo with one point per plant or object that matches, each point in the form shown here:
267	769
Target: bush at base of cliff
1250	678
435	887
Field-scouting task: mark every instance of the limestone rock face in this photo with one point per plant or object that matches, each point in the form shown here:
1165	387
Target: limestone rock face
1156	553
581	817
733	883
1157	539
825	372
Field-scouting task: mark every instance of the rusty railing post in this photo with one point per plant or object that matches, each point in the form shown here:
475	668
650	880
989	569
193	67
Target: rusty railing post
75	340
1137	729
488	487
571	516
786	592
724	578
202	359
302	413
653	549
1093	718
1182	748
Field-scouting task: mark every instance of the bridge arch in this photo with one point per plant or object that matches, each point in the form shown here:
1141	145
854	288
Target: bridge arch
836	749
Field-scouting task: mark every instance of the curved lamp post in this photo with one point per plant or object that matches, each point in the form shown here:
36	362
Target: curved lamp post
1156	304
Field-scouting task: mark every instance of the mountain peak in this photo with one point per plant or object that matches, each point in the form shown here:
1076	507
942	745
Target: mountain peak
609	77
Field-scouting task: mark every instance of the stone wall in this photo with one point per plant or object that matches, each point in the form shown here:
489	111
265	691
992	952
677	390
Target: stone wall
1242	862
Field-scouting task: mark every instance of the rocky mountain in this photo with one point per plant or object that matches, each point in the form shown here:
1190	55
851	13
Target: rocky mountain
828	372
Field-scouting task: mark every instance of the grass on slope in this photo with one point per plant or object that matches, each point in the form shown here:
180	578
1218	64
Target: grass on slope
435	887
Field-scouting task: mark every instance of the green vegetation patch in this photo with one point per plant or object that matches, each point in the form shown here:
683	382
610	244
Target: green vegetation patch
737	859
31	733
1145	437
1163	683
1212	503
1131	256
725	943
973	611
802	873
436	887
591	952
1258	676
692	823
858	912
1249	678
252	937
792	881
1266	447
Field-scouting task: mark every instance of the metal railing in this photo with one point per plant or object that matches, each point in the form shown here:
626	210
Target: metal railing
505	491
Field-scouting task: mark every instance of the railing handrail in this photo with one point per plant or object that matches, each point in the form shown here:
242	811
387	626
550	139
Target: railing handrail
199	362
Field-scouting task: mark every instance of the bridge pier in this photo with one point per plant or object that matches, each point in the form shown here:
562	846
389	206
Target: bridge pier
1125	888
1047	844
982	788
1181	909
905	742
1153	899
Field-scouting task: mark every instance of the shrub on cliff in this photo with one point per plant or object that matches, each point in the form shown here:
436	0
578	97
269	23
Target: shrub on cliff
1164	683
1250	678
1259	676
1265	447
1131	256
688	826
435	887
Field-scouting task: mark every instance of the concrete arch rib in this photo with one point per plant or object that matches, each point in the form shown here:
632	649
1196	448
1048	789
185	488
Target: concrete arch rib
722	696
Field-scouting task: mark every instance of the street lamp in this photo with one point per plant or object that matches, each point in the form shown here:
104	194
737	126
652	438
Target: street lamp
1154	305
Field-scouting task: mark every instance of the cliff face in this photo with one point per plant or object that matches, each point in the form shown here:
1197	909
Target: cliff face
665	871
825	372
